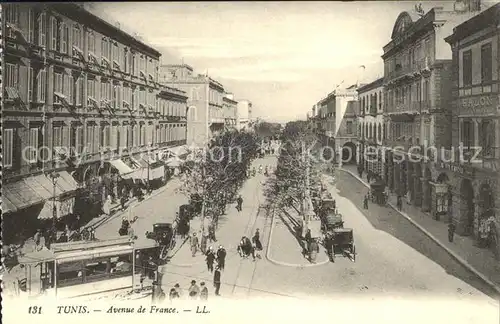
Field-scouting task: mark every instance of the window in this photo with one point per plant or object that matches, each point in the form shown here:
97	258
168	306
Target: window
54	40
7	147
427	93
79	91
104	47
41	85
467	134
12	16
57	136
91	42
486	63
77	37
467	67
69	86
31	153
125	60
41	25
486	137
64	38
11	75
89	141
58	86
76	138
349	127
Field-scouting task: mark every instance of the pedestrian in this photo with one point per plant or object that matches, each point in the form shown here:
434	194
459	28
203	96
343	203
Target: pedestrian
178	290
173	294
313	251
256	240
37	238
239	202
203	244
203	292
221	257
193	290
211	233
365	202
217	281
451	231
210	258
399	203
194	244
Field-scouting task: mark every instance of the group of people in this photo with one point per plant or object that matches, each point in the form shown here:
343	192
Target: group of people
215	257
247	247
195	292
202	244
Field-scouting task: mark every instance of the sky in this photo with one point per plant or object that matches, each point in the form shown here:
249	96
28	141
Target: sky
282	56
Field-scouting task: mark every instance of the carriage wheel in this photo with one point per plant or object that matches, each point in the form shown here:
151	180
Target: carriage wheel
354	253
163	252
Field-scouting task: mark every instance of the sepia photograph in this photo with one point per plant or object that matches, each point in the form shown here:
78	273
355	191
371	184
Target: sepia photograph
253	161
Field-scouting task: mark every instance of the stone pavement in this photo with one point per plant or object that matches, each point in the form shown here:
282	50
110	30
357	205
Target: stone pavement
480	261
238	273
285	248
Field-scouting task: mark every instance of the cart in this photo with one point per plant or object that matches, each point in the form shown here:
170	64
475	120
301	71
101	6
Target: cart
331	222
340	241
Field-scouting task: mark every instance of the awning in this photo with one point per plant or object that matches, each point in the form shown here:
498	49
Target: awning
63	208
37	257
35	185
122	168
179	150
93	253
142	174
7	206
20	194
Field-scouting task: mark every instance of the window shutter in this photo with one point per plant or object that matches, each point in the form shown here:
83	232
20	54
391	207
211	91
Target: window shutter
119	95
70	91
65	137
30	83
7	145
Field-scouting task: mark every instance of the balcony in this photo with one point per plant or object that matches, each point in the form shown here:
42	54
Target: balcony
416	68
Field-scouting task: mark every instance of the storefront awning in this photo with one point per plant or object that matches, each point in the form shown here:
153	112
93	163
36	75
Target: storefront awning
178	150
20	194
7	206
35	185
173	162
142	174
122	168
63	208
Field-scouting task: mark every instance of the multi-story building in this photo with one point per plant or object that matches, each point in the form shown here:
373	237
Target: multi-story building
346	123
205	116
417	67
79	93
474	180
230	111
244	109
371	127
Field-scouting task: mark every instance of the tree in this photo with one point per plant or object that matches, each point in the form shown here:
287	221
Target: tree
265	130
219	170
300	164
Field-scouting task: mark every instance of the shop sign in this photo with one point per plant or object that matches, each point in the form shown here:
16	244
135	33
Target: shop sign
457	168
477	106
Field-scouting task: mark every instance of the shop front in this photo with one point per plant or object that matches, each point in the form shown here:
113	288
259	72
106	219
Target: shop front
40	201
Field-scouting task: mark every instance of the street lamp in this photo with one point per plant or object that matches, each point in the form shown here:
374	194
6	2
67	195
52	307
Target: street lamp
54	176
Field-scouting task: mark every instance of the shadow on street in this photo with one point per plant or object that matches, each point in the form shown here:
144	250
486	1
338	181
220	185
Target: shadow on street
391	222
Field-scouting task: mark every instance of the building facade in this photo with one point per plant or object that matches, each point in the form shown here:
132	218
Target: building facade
78	93
417	67
244	109
205	117
371	127
230	111
474	180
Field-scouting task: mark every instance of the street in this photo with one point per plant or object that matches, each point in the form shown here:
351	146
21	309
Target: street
393	258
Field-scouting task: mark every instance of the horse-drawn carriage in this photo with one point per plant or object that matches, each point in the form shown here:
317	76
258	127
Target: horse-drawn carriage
331	222
163	234
340	241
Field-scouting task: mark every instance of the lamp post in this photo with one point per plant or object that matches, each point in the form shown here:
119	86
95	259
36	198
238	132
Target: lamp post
54	176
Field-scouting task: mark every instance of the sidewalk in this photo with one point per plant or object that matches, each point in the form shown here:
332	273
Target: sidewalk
285	248
479	261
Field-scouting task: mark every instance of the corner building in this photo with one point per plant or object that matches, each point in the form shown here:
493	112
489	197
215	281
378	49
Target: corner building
417	92
205	116
79	95
476	127
372	128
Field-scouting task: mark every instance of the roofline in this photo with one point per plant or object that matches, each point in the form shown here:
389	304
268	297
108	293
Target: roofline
488	18
80	14
189	67
372	85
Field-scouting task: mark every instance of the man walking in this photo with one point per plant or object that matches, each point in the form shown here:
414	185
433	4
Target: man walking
221	257
194	244
217	281
399	203
210	258
193	290
365	202
451	231
239	202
